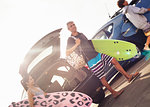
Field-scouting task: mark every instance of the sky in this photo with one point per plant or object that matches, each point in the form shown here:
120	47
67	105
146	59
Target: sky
24	22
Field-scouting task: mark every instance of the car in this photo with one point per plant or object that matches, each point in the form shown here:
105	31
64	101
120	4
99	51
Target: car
53	73
120	28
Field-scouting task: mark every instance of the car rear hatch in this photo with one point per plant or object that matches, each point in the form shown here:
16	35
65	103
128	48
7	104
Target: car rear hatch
52	73
41	55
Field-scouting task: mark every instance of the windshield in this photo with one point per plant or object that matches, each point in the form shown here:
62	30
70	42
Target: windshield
105	33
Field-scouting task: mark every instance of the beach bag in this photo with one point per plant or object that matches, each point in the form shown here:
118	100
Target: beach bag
75	60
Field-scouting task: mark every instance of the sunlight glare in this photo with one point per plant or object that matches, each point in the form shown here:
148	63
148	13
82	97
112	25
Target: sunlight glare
40	57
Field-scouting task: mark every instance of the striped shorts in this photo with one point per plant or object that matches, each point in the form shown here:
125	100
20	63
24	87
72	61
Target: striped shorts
99	63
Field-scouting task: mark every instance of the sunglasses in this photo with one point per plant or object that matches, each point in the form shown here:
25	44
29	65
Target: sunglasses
72	25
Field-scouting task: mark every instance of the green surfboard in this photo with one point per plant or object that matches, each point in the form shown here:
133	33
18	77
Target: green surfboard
121	50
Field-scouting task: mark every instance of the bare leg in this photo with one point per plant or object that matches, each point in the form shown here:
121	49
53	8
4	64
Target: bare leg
122	71
113	92
119	68
147	43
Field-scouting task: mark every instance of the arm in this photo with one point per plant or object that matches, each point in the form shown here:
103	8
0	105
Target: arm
148	9
45	93
140	10
30	98
69	51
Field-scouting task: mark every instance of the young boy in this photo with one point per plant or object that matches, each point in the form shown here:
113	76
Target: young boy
134	14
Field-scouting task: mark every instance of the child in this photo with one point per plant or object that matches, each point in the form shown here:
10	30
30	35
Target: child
134	14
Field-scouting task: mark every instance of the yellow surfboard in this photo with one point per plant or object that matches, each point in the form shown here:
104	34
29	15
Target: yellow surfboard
121	50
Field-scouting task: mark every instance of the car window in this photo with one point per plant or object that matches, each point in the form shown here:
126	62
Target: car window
59	79
40	57
104	33
64	68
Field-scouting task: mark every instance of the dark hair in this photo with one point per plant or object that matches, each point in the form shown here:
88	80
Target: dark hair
24	81
120	3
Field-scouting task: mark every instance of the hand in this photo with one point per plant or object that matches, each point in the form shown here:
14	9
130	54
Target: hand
148	9
77	41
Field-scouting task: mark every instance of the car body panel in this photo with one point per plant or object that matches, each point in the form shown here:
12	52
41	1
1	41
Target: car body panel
128	29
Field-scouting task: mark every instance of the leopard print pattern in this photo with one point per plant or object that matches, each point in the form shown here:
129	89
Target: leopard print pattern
58	99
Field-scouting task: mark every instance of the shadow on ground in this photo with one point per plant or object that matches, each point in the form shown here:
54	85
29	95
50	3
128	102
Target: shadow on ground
136	94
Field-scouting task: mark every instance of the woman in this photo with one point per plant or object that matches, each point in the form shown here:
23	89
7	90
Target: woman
32	90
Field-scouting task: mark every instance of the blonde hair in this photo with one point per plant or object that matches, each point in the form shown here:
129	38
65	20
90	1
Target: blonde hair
69	23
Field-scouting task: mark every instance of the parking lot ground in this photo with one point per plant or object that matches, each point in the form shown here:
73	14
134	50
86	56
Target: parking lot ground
136	94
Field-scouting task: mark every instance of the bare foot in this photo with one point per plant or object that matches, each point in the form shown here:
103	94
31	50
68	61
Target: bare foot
146	47
118	93
133	76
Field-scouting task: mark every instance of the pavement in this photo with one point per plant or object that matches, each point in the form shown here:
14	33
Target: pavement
136	94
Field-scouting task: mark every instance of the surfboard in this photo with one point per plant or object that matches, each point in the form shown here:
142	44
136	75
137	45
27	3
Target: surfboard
121	50
58	99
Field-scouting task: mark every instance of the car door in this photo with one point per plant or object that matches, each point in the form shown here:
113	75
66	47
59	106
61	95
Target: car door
128	29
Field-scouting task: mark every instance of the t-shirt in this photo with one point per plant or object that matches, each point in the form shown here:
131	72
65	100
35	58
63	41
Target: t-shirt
85	48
